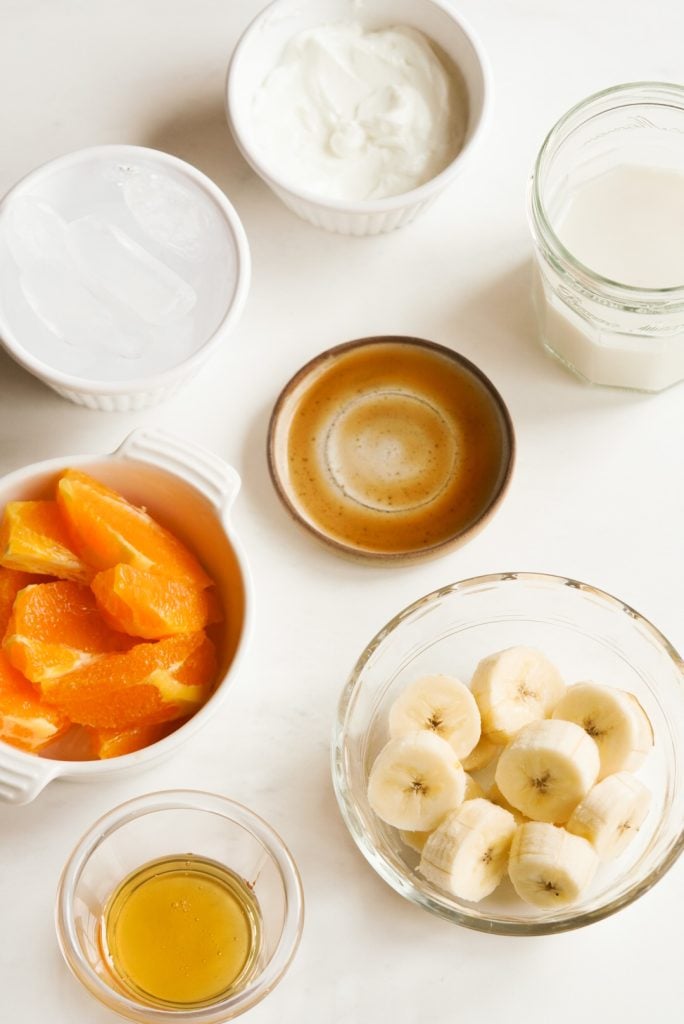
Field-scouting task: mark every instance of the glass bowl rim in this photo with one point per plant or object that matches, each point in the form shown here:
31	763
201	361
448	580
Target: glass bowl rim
347	804
191	800
633	297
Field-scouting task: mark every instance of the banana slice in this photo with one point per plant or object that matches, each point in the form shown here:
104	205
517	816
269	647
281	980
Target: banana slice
547	769
548	866
481	755
614	719
442	705
497	797
417	840
512	688
415	780
473	789
467	855
611	814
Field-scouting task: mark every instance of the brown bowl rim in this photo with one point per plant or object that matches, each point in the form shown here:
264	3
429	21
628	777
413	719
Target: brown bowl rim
415	554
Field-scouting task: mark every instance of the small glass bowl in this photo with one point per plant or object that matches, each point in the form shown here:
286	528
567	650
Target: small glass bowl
589	635
160	825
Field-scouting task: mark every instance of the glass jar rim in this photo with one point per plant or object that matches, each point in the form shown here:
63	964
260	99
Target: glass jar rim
626	94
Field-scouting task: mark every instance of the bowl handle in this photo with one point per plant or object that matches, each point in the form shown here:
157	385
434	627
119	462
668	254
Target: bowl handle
218	481
22	778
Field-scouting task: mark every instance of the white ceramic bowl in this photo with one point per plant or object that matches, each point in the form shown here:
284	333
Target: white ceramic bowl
258	51
191	491
76	184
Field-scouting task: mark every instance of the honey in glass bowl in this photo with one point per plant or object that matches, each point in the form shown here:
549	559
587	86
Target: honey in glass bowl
181	931
156	932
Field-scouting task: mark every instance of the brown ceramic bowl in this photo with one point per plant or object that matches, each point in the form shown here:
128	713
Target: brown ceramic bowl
390	449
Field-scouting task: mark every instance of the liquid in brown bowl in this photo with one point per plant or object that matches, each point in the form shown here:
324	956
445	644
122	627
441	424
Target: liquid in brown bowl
390	446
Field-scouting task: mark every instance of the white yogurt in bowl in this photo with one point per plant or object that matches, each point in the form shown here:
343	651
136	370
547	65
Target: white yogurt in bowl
356	114
120	269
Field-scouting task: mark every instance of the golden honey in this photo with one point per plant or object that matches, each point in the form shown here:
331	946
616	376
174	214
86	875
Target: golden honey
181	931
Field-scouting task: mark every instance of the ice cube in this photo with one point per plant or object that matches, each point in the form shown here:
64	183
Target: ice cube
33	230
168	213
114	264
68	309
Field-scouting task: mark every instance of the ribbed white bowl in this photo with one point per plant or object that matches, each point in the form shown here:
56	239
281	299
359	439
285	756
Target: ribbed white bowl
258	51
147	390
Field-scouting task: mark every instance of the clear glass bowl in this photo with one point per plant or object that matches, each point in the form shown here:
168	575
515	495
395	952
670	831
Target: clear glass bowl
160	825
589	635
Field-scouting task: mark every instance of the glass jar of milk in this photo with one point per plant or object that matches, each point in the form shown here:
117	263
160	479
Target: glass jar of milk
606	206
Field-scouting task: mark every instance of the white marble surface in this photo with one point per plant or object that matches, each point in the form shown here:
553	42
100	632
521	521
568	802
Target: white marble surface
597	494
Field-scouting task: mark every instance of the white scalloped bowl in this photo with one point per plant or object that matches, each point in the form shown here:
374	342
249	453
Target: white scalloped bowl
258	51
65	181
190	490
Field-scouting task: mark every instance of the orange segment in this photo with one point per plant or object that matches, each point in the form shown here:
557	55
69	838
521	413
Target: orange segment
151	605
56	628
11	582
150	683
34	538
25	721
117	742
107	530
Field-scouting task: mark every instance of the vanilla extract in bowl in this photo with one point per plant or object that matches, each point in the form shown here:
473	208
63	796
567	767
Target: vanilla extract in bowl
391	448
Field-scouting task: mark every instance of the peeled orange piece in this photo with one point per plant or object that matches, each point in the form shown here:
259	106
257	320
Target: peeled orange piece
55	628
11	582
151	605
108	743
107	529
150	683
25	721
34	538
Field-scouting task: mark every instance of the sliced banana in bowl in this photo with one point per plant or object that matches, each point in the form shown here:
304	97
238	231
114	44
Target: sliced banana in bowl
611	814
514	687
485	667
482	755
415	780
547	769
417	840
546	775
614	719
548	866
468	853
439	704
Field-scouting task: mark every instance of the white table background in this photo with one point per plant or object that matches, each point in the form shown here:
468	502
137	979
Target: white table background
597	494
